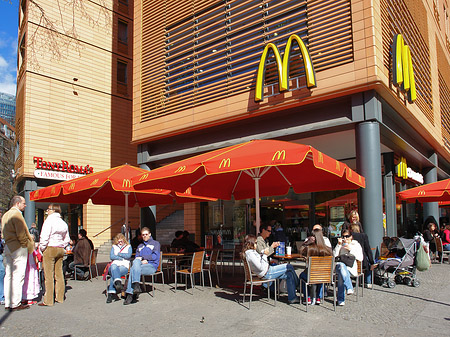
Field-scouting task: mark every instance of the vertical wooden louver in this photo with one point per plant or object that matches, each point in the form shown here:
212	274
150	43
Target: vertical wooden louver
444	102
397	19
199	51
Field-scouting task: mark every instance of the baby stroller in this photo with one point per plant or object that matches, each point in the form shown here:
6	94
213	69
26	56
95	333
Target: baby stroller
398	266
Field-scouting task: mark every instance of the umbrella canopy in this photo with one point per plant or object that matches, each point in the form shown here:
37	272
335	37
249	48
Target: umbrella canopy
254	169
111	187
438	191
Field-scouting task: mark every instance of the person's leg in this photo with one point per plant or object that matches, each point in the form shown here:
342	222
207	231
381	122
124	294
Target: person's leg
304	276
285	271
49	272
60	287
147	269
135	275
8	262
116	273
340	279
20	259
2	277
447	246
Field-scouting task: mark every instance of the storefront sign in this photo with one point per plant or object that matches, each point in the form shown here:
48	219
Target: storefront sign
283	67
405	172
402	68
59	170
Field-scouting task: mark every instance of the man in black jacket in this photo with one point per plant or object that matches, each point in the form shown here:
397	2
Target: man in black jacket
363	240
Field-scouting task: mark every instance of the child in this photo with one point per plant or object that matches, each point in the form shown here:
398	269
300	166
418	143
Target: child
31	285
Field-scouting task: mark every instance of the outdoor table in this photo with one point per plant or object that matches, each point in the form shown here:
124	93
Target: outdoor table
289	258
177	256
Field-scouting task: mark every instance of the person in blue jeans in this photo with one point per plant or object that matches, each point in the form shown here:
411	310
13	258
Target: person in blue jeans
314	246
120	256
346	245
2	277
260	266
146	263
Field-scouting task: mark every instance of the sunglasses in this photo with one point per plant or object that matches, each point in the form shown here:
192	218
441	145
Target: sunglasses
346	236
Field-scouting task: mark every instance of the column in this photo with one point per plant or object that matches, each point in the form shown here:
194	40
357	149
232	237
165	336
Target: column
389	194
148	214
30	210
431	208
368	161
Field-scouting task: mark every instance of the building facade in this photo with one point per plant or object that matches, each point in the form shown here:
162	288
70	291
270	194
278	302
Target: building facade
8	108
74	90
210	73
7	138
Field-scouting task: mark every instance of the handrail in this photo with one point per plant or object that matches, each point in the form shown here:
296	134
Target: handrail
117	222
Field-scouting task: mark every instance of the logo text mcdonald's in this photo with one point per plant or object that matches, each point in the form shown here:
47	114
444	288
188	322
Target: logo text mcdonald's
283	66
225	163
402	68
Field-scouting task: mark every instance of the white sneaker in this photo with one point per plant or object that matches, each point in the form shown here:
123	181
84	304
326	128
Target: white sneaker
341	304
350	291
369	286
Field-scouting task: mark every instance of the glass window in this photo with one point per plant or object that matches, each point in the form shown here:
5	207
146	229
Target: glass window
123	32
122	72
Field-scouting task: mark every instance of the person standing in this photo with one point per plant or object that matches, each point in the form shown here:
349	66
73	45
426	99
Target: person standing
18	244
54	238
2	270
34	232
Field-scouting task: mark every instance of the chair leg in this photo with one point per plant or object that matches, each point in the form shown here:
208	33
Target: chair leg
306	296
334	296
357	288
275	294
175	281
217	276
192	282
203	279
243	295
210	281
251	295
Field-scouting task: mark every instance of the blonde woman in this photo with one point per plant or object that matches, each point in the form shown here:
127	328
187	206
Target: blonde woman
353	218
120	256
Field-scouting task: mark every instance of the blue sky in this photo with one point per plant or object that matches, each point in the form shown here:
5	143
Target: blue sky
8	45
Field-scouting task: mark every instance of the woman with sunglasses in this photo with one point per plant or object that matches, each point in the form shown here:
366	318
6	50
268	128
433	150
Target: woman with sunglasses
120	255
346	245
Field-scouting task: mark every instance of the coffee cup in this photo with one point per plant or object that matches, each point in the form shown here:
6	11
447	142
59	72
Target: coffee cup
288	250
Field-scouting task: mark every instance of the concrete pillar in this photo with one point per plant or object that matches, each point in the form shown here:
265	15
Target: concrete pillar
389	194
431	208
30	210
148	214
368	161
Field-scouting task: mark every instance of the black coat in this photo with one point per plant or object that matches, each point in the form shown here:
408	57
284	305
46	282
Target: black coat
363	240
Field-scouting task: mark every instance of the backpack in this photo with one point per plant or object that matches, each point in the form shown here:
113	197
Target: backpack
422	259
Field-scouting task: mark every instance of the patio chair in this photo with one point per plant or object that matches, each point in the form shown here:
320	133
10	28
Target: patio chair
251	279
93	263
440	251
212	266
228	254
358	277
196	268
158	271
320	271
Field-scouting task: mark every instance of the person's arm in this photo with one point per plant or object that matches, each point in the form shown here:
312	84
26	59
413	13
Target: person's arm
66	239
45	236
356	250
113	256
367	249
337	249
23	235
126	253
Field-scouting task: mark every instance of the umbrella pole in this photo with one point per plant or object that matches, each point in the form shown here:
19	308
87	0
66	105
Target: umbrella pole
258	214
127	230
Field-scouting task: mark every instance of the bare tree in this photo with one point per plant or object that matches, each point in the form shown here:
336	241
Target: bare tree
6	170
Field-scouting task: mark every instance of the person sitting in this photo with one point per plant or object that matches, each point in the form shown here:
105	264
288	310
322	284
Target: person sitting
262	246
137	240
145	263
278	232
363	240
346	245
260	266
81	255
189	246
315	246
446	238
84	234
325	239
120	255
177	242
430	233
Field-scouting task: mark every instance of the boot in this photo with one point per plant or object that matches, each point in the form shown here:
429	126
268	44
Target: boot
136	288
128	300
118	286
109	298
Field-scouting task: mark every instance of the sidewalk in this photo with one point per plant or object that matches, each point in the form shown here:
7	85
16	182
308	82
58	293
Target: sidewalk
401	311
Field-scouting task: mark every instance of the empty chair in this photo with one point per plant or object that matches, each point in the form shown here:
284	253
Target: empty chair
212	266
196	268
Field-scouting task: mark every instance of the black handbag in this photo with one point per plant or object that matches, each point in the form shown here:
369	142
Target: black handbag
347	259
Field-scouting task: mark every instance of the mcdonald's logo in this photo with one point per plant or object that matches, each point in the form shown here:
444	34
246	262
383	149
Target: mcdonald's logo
126	183
402	68
402	168
95	181
421	193
225	162
35	194
53	190
283	66
350	173
143	177
188	191
320	157
278	154
72	186
180	169
338	166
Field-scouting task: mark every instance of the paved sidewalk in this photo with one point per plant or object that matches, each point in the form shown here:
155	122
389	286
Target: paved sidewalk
402	311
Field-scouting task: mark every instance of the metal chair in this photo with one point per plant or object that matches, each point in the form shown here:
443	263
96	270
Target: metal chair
441	251
358	277
196	268
213	266
93	262
158	271
320	271
251	279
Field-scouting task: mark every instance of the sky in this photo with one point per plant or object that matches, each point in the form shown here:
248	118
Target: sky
8	45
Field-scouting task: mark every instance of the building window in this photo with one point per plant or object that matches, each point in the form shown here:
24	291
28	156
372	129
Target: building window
123	32
122	72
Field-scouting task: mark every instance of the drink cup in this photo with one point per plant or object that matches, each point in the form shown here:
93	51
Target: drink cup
288	250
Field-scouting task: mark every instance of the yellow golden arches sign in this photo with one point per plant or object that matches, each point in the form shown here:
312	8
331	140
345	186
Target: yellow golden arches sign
36	193
338	166
283	66
180	169
279	154
402	168
95	181
320	157
72	186
144	176
53	190
421	193
126	183
225	162
402	68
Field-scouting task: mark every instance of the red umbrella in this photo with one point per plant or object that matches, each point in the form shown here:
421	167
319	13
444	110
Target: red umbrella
253	169
438	191
111	187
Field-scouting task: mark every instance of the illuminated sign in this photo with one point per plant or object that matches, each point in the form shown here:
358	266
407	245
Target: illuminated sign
62	166
283	67
405	172
402	68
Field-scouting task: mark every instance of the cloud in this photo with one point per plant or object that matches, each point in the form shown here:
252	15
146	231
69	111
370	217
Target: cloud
7	77
3	63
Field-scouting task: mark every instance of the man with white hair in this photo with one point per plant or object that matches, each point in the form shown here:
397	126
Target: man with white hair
18	244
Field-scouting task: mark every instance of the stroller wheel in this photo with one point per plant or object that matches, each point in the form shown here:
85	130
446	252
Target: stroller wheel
398	279
415	283
407	281
391	284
